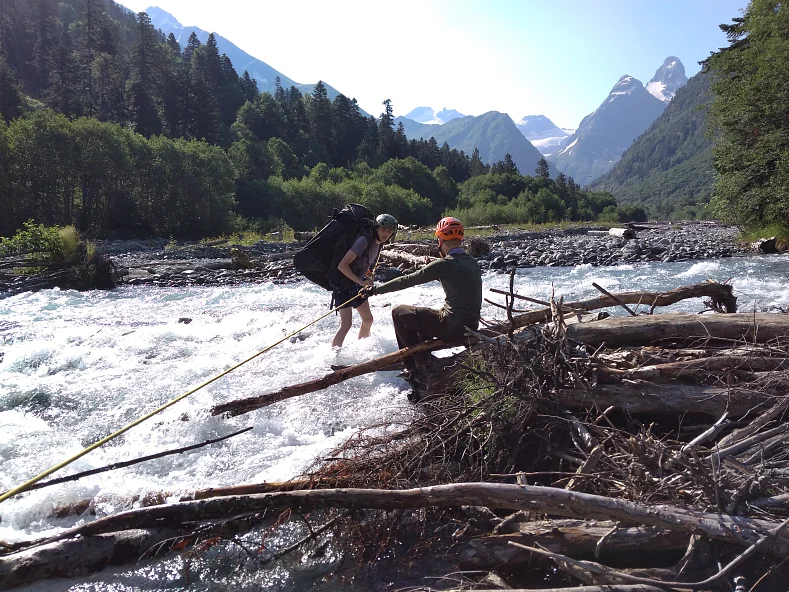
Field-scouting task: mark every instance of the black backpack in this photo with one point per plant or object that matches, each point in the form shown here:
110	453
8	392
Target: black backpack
319	258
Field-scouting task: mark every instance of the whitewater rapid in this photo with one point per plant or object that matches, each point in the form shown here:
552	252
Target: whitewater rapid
75	367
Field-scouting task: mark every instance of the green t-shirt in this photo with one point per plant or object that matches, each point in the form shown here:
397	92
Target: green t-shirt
461	279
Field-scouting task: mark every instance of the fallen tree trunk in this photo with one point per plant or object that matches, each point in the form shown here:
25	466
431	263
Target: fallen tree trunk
682	329
721	293
666	398
79	557
695	368
240	406
577	538
737	530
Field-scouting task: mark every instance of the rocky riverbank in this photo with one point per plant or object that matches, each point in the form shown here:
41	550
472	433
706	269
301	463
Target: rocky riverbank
166	264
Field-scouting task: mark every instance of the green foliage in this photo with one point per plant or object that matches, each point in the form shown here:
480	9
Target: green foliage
751	113
32	237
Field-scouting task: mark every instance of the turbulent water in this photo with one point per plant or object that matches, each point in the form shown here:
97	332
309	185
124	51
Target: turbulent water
75	367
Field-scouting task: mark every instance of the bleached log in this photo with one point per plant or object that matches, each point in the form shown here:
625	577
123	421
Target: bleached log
697	369
72	558
576	538
718	292
682	329
737	530
240	406
403	257
666	398
601	588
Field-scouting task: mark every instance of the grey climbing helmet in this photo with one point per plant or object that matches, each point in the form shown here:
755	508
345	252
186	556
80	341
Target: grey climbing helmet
388	222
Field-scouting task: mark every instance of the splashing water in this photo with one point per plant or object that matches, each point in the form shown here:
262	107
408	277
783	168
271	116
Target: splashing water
75	367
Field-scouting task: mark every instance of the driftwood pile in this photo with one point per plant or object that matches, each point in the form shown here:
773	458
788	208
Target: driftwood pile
639	452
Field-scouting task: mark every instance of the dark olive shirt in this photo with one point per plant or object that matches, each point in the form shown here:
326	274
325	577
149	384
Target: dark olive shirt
460	277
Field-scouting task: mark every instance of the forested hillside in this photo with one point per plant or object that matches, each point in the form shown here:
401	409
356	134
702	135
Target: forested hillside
669	167
750	110
110	126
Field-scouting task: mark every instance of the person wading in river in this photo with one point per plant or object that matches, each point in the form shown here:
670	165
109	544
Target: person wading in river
357	266
461	278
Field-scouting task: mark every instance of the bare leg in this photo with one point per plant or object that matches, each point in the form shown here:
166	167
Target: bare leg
367	319
346	320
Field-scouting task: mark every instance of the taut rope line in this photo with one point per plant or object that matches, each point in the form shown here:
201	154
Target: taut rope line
60	465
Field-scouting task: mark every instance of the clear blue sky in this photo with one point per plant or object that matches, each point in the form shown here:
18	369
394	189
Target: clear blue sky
557	58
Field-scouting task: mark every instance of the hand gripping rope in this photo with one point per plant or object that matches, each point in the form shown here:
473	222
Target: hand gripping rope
57	467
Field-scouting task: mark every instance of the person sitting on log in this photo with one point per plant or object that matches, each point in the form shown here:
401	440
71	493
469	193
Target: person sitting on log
461	279
357	266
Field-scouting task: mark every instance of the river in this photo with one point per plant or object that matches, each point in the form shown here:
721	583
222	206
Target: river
77	366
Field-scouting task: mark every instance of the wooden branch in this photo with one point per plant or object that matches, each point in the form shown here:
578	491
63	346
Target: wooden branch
128	463
240	406
737	530
682	328
599	288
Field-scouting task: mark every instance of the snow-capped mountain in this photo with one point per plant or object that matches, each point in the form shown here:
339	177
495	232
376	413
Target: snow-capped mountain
604	135
429	116
543	134
668	79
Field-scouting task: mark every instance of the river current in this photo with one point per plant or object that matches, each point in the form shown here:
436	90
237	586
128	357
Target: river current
75	367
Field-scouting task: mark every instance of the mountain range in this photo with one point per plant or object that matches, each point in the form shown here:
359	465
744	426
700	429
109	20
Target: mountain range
669	168
657	169
628	110
493	133
258	69
543	134
428	115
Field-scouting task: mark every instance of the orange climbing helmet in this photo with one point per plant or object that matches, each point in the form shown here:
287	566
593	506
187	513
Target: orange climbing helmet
449	229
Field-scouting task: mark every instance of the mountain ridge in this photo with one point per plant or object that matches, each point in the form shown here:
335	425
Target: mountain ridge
260	71
669	168
628	110
493	133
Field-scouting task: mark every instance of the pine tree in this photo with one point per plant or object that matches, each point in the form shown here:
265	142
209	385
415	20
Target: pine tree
93	38
542	171
320	117
249	87
173	44
509	165
477	166
386	141
10	97
400	141
279	92
191	45
46	39
145	83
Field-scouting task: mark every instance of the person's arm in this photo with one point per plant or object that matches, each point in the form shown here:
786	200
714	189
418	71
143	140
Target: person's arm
431	272
344	266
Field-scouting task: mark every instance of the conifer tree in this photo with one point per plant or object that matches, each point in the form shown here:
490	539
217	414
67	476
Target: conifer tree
509	166
173	44
386	141
542	171
477	167
191	45
320	117
10	97
144	84
249	86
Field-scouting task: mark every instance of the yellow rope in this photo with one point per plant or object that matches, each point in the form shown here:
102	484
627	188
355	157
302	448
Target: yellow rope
57	467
